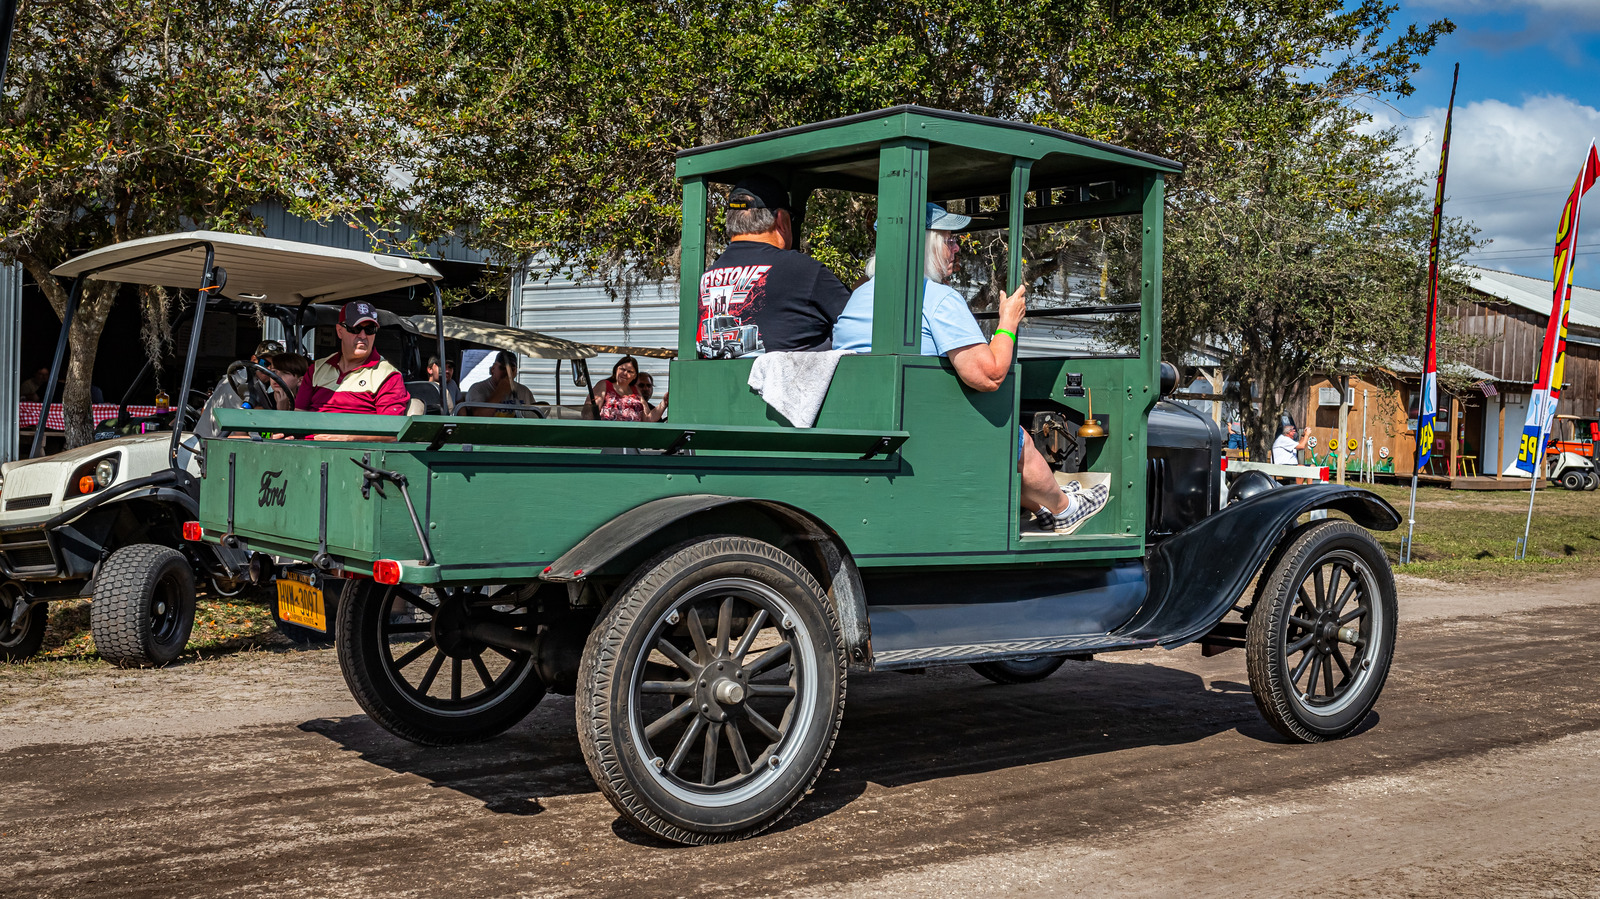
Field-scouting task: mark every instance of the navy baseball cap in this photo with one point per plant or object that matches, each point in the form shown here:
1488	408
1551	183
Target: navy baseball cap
357	311
759	192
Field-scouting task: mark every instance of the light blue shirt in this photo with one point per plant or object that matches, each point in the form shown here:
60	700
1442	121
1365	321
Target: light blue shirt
947	323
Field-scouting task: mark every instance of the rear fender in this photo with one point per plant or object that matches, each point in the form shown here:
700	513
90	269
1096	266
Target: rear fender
1198	574
652	526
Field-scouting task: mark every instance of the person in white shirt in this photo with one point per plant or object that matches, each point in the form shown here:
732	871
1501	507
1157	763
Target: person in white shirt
1286	449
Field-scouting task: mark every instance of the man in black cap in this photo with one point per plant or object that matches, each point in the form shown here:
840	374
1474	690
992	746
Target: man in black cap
354	378
761	294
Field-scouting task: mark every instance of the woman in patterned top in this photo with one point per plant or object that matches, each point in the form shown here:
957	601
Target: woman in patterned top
617	398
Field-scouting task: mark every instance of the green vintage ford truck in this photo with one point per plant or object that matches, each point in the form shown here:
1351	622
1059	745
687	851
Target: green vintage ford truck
706	585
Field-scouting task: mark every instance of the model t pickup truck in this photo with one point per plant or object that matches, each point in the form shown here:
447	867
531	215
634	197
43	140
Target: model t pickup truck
706	595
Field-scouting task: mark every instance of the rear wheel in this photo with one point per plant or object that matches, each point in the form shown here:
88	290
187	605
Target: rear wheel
1025	670
415	665
1321	634
22	624
143	606
711	690
1593	480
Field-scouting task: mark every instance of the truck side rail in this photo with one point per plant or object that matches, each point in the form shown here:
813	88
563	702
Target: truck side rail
438	431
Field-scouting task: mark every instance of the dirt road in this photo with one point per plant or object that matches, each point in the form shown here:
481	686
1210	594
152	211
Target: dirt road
1145	774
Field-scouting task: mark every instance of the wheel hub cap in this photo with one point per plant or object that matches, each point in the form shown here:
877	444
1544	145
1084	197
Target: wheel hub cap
721	690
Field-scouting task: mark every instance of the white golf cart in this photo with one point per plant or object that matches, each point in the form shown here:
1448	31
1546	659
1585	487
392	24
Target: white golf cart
104	520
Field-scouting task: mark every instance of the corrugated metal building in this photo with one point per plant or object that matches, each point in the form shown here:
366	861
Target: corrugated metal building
583	310
1509	313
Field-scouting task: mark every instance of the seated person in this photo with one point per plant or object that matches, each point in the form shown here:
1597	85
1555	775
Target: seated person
436	372
762	295
291	368
501	387
949	330
354	378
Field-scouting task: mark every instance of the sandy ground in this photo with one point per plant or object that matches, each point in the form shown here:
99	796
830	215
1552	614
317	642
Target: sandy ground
1138	774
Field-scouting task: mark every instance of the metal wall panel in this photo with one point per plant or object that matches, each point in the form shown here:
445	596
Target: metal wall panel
284	225
584	311
10	358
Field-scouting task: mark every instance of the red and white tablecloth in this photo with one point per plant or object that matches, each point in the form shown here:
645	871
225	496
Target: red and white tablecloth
29	414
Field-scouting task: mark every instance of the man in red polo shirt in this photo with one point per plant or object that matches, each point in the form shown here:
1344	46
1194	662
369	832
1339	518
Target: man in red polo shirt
354	379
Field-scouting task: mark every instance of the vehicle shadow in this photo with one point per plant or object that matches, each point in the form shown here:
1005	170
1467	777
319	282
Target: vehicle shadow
898	730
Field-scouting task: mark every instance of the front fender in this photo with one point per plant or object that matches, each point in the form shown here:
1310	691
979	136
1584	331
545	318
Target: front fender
1196	575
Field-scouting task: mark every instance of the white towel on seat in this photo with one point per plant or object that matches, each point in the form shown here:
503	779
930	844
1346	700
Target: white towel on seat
795	384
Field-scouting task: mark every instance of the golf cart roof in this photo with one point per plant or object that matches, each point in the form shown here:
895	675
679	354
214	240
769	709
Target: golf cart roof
501	337
260	269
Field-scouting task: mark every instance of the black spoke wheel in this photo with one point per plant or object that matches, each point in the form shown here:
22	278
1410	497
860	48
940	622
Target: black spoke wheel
21	629
413	663
1024	670
711	690
1321	637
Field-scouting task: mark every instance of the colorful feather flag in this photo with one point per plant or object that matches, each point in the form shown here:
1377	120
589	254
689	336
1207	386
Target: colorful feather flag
1547	389
1428	408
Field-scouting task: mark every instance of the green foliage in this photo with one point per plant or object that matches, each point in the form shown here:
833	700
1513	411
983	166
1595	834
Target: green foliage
126	118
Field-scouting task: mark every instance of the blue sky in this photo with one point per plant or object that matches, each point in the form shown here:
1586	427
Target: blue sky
1527	108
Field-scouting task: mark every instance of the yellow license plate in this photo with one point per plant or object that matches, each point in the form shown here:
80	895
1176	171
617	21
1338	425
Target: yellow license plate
301	603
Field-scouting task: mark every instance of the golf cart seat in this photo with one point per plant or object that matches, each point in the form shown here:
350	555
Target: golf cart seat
425	398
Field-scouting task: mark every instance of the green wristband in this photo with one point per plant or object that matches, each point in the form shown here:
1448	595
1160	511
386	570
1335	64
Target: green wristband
999	331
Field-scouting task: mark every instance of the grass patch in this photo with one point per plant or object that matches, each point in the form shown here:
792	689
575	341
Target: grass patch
220	625
1469	535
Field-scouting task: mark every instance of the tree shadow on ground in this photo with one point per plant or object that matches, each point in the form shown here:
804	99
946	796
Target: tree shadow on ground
898	730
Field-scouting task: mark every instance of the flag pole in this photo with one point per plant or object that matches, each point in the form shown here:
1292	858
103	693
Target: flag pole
1427	403
1546	395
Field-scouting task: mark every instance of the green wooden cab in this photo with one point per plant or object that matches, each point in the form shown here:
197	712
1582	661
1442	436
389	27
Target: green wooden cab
705	585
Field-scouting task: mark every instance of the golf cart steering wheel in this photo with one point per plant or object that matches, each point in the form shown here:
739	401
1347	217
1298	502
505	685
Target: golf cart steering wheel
257	395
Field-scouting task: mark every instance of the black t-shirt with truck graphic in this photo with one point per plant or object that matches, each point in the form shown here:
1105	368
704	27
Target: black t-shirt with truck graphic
757	298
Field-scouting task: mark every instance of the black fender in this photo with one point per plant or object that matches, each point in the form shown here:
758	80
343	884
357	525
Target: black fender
829	559
1196	575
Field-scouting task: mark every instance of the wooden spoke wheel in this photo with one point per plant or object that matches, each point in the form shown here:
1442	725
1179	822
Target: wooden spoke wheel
437	668
1321	635
712	690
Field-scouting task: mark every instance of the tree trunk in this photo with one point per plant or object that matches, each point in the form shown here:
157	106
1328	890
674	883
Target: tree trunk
83	345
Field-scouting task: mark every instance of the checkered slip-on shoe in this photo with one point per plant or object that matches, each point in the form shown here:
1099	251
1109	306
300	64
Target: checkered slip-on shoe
1084	505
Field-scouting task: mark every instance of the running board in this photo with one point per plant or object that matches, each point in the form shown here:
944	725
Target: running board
955	617
890	660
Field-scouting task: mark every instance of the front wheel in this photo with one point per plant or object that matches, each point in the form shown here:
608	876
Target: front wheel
143	606
1025	670
22	624
419	667
1573	479
711	690
1321	635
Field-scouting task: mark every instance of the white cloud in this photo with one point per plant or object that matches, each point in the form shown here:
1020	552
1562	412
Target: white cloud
1511	168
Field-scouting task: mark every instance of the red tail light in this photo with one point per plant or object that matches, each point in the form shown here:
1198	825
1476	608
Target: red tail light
193	532
386	571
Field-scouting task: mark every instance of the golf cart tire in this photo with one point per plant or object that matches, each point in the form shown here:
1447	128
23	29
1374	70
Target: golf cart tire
736	584
143	607
1279	623
1592	480
23	642
1026	670
1573	479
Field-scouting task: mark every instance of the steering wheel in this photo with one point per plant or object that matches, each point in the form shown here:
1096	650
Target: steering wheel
258	397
